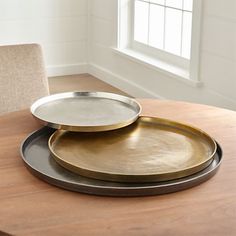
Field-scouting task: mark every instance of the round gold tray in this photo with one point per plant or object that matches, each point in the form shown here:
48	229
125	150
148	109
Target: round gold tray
149	150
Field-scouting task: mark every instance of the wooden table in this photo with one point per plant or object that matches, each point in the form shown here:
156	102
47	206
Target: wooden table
29	206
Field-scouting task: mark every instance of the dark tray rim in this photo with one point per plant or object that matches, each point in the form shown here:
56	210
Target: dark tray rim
123	189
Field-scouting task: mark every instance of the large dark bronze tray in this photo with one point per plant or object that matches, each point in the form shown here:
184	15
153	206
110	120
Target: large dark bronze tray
37	157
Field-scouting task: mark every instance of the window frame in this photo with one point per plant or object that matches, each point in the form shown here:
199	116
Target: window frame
126	39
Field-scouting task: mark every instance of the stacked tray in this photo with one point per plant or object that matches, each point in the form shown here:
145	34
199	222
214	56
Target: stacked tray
98	143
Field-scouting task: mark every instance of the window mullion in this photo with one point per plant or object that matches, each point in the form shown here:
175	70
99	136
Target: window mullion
164	30
149	4
182	30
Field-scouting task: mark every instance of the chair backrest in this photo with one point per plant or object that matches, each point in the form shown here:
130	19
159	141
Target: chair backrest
22	76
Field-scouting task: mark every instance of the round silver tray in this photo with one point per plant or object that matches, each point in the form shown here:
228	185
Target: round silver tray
86	111
37	158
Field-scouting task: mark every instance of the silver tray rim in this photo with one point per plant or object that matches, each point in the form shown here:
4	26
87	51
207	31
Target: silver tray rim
88	128
125	189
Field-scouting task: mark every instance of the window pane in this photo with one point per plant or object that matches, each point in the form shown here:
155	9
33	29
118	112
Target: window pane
188	5
175	3
156	32
141	21
187	30
161	2
173	31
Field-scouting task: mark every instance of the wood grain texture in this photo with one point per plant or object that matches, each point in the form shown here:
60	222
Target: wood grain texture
28	206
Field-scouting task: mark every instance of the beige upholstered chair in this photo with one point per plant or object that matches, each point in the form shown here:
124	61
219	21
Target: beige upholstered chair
22	76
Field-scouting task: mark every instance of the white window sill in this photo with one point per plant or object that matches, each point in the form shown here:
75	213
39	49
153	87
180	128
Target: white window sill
158	65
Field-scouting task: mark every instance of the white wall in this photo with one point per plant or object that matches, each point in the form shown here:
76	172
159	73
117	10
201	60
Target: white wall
76	32
60	26
217	57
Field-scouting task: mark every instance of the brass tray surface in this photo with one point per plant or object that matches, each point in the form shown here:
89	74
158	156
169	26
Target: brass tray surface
149	150
38	160
86	111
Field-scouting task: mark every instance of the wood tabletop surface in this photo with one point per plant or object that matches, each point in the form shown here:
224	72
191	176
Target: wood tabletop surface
29	206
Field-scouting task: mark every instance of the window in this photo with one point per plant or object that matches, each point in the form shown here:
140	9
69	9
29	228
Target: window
158	22
168	30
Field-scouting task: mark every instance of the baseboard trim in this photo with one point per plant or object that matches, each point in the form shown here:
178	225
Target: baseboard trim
71	69
127	86
120	82
103	74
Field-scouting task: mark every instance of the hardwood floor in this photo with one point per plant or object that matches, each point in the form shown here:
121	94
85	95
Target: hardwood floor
83	82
